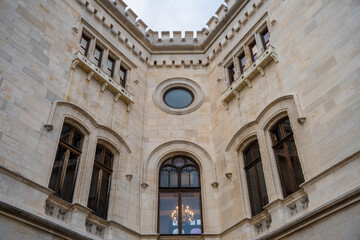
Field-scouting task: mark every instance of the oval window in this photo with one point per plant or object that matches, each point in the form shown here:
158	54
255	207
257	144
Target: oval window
178	97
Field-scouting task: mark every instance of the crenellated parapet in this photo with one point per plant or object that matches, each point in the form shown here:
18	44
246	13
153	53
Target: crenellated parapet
205	41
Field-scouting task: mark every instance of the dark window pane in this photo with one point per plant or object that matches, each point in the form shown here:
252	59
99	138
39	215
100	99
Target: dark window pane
253	51
168	213
264	197
194	179
265	37
173	179
298	174
107	160
98	154
57	169
242	60
255	149
287	128
276	135
231	71
97	56
248	156
254	198
284	170
185	178
123	73
84	44
70	176
93	188
103	195
164	178
110	66
191	213
65	133
76	141
178	98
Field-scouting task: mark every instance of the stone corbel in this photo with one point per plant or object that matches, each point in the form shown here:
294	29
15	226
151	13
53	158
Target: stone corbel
228	175
129	107
74	64
117	96
103	86
215	184
49	127
144	185
89	76
248	82
129	176
274	57
237	94
226	105
261	70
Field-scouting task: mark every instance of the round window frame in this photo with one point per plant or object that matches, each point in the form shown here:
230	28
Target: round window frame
192	87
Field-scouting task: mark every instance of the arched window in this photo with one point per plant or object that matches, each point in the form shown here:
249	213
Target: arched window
100	182
64	172
291	174
179	197
255	178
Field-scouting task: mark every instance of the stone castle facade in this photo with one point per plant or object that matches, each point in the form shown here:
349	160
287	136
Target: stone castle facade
250	127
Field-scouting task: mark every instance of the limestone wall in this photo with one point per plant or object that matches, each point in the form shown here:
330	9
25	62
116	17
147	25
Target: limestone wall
312	77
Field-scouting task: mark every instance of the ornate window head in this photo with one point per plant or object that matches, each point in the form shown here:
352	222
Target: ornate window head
179	197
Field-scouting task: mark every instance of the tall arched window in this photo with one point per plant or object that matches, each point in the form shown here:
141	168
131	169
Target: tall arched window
66	163
255	178
179	197
291	174
100	182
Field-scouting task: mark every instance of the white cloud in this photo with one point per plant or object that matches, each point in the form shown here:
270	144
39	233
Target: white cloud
175	15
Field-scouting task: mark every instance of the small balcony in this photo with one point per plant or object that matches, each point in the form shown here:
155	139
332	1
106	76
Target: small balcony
245	79
99	75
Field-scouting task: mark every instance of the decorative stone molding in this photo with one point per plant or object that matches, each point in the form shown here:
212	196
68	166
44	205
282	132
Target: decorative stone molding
129	176
298	205
263	225
215	184
94	228
188	84
228	175
245	79
103	78
144	185
57	210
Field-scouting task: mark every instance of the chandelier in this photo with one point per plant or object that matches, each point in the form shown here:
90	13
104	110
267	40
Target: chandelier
187	214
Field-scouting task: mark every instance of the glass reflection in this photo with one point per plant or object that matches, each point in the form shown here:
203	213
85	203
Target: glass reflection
191	217
168	203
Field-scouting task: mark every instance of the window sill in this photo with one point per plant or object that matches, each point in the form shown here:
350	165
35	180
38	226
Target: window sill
99	75
245	79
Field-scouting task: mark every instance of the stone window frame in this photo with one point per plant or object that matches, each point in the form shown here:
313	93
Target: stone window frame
108	50
191	86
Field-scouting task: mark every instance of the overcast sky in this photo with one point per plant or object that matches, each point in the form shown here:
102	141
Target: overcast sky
175	15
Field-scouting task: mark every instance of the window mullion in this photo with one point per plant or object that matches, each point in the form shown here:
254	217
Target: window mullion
63	172
98	189
288	159
180	213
